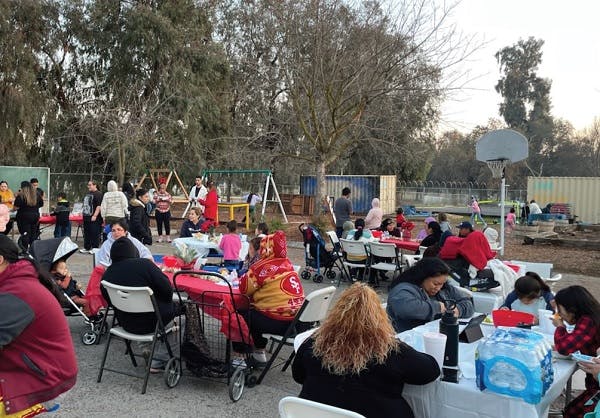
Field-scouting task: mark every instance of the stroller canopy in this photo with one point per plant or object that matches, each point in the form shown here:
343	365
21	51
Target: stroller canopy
48	251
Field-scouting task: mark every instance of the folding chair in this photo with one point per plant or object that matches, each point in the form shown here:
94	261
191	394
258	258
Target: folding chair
411	259
313	310
354	249
292	407
379	252
139	300
337	251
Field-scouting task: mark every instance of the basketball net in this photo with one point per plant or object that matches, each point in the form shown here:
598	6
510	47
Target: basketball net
497	167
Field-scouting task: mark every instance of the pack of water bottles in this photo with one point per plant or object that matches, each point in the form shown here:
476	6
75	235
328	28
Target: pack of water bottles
515	362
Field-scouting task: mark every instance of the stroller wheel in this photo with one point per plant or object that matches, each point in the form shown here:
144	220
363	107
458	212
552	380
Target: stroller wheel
172	372
251	380
331	274
236	383
89	338
305	275
318	278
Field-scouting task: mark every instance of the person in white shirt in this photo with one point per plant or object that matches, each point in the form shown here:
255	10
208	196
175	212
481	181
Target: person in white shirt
534	209
119	229
198	192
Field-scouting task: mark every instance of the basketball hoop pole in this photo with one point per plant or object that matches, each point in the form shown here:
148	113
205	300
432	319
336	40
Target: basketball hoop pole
502	204
497	149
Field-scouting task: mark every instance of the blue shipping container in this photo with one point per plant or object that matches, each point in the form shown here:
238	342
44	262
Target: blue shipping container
363	190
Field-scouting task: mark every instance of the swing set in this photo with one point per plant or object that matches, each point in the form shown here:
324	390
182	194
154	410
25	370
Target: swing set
268	184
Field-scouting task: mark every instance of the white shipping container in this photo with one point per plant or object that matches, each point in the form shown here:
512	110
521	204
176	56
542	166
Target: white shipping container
582	193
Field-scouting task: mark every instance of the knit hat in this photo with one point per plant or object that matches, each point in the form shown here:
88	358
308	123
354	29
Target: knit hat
8	248
123	249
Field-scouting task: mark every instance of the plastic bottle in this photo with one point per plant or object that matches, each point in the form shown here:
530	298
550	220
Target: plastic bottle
233	278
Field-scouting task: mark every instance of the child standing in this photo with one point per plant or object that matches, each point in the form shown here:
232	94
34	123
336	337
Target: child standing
511	220
576	306
231	244
162	200
531	294
62	228
402	222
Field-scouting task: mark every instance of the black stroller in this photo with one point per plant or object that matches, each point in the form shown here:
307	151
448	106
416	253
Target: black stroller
316	256
47	252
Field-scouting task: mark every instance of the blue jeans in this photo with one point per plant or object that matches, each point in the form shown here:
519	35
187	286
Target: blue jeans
62	230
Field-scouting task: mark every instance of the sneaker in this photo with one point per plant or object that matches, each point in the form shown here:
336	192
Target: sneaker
238	362
159	240
84	251
259	356
169	239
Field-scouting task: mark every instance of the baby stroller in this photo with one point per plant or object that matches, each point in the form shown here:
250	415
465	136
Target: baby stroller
315	255
47	252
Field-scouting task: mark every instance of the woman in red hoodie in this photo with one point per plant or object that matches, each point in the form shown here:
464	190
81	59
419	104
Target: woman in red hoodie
37	358
211	202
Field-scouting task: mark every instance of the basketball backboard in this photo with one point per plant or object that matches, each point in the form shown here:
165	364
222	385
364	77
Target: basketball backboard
502	144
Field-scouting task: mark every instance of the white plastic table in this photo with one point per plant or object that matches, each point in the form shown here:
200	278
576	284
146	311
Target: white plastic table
464	399
203	247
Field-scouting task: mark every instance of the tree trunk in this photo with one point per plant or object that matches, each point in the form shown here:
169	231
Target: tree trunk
321	192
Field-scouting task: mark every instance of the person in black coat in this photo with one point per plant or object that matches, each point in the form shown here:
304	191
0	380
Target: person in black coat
128	269
353	361
139	221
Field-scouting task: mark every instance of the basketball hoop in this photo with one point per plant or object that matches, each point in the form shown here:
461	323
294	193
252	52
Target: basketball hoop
497	167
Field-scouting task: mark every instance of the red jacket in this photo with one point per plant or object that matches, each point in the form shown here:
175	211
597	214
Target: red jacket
210	205
37	362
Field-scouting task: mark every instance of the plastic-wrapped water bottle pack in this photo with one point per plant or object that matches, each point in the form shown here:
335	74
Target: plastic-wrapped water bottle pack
515	362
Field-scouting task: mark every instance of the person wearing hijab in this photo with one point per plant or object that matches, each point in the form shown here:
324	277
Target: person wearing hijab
275	292
375	215
37	357
128	269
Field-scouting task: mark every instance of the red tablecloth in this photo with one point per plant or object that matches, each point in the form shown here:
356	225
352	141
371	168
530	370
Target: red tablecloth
405	244
217	302
51	220
200	290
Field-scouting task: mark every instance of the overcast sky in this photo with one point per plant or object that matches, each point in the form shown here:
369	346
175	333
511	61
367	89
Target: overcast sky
571	56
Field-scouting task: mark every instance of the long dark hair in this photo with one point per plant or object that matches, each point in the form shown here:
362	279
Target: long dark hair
10	252
578	301
359	225
424	268
435	228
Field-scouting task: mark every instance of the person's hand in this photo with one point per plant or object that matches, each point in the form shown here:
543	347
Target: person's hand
592	367
504	308
94	217
442	307
557	320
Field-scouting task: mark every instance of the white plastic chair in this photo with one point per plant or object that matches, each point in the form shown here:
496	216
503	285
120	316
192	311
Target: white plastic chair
384	251
293	407
337	252
139	300
411	259
354	249
313	311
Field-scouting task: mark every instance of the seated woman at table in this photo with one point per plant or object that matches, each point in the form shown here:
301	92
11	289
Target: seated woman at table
119	229
423	232
231	244
434	234
192	224
417	296
389	226
579	310
360	232
353	361
275	292
530	295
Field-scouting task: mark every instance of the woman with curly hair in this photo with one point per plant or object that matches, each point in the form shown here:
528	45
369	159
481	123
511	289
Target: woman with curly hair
353	360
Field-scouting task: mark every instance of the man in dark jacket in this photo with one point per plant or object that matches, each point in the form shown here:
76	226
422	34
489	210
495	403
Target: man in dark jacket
127	269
